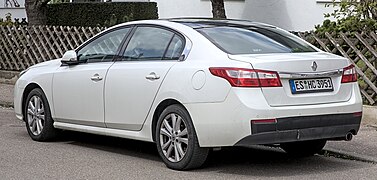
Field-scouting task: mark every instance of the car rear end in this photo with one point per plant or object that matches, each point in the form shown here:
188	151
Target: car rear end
305	104
291	91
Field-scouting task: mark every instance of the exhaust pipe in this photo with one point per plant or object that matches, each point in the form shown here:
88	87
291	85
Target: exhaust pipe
349	136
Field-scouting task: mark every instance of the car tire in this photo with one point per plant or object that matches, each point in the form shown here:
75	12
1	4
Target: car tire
178	145
303	148
37	116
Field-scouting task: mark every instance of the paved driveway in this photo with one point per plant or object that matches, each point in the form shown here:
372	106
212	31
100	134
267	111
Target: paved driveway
85	156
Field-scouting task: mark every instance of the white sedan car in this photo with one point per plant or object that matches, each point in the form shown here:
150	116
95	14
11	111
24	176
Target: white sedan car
190	85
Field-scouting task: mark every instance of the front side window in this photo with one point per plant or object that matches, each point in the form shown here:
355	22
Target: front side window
152	43
104	48
255	40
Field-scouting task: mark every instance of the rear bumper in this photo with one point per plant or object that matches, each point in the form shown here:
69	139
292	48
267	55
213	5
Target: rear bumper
228	123
333	126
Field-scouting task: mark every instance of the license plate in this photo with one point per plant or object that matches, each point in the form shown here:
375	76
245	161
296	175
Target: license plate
311	85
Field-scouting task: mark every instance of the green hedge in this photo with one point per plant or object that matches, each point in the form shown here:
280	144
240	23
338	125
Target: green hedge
99	14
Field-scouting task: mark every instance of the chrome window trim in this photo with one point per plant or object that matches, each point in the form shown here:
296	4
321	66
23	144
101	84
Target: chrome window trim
187	49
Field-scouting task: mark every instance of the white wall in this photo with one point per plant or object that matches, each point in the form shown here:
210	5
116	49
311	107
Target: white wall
297	15
17	12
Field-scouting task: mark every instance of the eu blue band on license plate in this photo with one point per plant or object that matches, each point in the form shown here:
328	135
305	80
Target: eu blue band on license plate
311	85
293	87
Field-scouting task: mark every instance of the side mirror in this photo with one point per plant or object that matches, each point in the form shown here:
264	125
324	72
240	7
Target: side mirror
70	58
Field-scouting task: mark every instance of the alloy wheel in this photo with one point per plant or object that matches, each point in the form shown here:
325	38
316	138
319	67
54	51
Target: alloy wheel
35	115
174	137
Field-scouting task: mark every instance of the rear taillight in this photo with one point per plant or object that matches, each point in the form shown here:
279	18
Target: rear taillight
349	74
240	77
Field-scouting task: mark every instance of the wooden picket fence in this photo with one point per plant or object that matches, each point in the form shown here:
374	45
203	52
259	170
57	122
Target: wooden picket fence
23	46
360	49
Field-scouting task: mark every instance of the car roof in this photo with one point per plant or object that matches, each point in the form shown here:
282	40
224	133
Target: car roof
198	23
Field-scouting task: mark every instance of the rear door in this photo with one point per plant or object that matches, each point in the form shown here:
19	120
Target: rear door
133	81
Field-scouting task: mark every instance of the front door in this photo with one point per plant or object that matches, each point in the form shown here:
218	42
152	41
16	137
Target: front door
78	89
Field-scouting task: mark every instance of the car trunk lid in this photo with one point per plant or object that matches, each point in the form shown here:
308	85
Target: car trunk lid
302	68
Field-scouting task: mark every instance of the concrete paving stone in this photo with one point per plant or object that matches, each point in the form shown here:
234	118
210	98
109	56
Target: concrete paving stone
363	146
6	94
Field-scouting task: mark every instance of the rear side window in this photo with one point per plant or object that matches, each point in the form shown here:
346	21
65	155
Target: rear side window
255	40
175	49
153	43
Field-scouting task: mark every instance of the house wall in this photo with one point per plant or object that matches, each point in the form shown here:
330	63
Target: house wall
16	13
295	15
10	6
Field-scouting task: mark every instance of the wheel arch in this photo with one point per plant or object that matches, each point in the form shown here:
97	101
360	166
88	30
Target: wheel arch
26	92
161	106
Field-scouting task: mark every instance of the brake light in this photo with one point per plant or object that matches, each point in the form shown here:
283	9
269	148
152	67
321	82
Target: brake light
240	77
349	74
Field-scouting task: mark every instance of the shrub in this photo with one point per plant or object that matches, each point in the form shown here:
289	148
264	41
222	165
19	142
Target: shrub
99	14
8	21
351	15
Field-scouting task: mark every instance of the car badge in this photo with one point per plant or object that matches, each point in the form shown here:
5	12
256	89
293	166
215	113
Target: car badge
314	66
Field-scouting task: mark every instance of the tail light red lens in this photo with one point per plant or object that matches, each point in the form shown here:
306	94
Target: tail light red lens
349	74
240	77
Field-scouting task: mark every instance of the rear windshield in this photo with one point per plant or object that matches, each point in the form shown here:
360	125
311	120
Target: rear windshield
255	40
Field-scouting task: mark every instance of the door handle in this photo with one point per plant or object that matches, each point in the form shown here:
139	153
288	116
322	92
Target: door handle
96	77
152	76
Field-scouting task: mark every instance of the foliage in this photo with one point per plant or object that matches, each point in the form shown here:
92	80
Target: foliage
350	15
99	14
115	20
8	21
58	1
